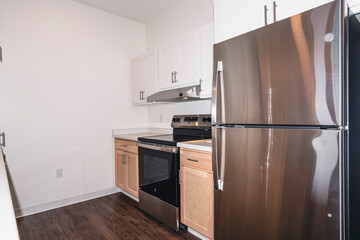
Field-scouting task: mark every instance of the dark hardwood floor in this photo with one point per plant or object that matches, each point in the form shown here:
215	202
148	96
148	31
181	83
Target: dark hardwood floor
111	217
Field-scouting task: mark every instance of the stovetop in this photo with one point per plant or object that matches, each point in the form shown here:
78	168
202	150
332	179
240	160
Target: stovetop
185	128
170	139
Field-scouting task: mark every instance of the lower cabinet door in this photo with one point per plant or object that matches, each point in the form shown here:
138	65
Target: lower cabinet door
120	170
132	177
197	200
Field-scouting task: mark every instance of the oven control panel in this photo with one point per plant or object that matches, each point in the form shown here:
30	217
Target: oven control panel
191	121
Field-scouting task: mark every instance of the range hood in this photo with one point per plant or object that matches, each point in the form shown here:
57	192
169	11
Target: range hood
190	93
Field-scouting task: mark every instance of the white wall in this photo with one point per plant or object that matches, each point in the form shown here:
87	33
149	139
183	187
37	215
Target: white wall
65	83
185	17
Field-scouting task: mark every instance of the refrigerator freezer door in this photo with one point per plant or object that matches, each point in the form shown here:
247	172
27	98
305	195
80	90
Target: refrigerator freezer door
287	73
278	184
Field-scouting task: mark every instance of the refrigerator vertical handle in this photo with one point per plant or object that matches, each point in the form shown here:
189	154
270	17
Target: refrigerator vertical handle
218	84
219	157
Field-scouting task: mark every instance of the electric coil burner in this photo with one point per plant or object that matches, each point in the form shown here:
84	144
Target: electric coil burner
159	164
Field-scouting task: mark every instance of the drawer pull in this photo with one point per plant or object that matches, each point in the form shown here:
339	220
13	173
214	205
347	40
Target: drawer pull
124	145
193	160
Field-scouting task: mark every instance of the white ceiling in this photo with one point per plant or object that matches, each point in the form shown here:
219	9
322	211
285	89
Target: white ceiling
142	11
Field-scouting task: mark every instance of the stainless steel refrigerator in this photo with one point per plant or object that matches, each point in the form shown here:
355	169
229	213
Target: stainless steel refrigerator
280	129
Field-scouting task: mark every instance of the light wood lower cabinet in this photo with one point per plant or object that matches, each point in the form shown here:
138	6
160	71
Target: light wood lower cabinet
120	169
197	193
132	176
126	170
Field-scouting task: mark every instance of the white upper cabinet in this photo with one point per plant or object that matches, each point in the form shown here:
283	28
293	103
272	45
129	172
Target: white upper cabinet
177	63
188	61
143	77
288	8
137	80
150	73
205	56
168	64
186	74
235	17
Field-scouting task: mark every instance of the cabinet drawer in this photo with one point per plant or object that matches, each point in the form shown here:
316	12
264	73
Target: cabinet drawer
126	145
196	159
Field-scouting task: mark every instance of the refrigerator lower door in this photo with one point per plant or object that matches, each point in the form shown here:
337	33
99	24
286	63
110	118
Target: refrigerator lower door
277	183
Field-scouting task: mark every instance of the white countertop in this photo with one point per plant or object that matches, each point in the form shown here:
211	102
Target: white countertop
8	227
134	133
135	136
200	145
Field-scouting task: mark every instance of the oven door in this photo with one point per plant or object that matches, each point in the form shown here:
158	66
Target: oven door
158	171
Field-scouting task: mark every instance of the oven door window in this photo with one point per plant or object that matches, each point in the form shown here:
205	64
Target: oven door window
158	174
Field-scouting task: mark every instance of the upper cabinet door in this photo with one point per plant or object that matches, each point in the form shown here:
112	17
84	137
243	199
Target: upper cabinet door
288	8
205	63
150	73
168	56
137	76
235	17
186	74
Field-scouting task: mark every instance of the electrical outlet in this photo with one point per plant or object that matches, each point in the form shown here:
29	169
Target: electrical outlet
59	173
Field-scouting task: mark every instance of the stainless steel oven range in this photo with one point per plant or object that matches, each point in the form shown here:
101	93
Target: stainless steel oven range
159	165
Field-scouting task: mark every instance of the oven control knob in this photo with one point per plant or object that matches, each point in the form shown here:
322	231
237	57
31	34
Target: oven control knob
207	119
174	119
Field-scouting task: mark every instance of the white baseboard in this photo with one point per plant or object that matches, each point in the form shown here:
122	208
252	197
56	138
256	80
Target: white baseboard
197	234
22	212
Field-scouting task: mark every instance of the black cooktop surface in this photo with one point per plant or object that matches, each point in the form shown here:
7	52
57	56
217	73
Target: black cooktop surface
170	139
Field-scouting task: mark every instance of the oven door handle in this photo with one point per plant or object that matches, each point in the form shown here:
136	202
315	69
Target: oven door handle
162	148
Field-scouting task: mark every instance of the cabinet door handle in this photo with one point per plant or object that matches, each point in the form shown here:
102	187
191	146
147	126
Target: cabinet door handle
265	14
274	8
175	74
180	176
193	160
124	145
2	142
140	95
172	77
122	159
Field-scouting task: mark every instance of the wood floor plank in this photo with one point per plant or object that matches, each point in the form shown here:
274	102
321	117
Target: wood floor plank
112	217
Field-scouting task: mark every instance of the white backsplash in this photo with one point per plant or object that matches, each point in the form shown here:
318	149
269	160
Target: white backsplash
160	115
